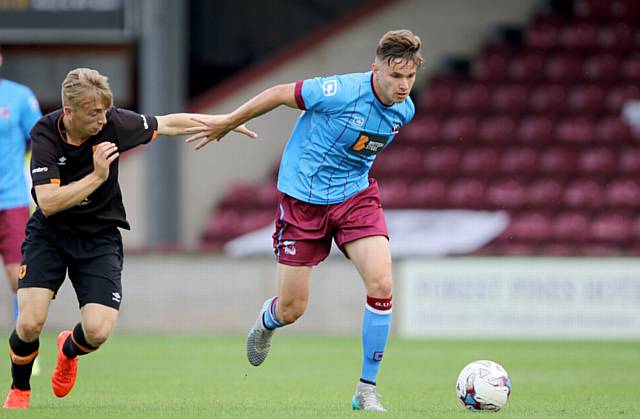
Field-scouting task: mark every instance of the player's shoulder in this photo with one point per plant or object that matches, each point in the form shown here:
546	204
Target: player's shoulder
46	128
15	87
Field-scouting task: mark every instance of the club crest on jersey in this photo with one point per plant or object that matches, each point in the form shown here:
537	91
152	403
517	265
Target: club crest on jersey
368	144
330	87
289	247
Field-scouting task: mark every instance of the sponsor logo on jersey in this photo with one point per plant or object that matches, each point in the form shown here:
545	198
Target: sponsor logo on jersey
40	170
330	87
368	144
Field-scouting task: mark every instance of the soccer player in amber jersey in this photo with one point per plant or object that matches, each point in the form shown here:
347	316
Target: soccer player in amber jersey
74	230
326	193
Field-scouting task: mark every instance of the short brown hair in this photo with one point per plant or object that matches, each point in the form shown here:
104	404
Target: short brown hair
85	83
401	45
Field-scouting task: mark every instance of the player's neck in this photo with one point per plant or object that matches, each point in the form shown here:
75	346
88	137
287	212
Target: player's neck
70	134
376	92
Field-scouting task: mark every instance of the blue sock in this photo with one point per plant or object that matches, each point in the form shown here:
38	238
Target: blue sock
375	331
15	306
269	317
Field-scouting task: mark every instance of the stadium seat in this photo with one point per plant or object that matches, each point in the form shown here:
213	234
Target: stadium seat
578	35
542	36
629	161
587	98
576	130
498	129
481	161
530	226
619	35
631	68
466	193
618	95
564	67
510	98
439	96
399	161
570	226
491	67
427	193
545	192
584	193
442	161
239	195
612	130
472	97
394	192
536	130
559	161
460	129
423	130
601	67
506	194
623	192
597	161
526	67
521	160
611	227
549	98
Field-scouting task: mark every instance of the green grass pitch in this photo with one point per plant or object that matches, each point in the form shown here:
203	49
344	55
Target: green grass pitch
177	376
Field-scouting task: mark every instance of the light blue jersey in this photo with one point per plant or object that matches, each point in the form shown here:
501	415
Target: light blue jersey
337	138
19	111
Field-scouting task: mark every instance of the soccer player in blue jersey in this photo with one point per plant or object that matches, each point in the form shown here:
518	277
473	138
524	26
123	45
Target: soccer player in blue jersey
326	193
19	111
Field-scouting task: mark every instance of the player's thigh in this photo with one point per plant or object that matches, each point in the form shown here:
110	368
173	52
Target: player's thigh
96	274
43	261
372	258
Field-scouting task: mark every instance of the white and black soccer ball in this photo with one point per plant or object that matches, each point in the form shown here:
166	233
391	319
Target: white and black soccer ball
483	385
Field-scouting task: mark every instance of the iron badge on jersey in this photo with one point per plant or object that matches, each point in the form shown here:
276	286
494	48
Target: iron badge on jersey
368	144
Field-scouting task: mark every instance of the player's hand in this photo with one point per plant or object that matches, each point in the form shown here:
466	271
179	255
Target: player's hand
103	155
214	128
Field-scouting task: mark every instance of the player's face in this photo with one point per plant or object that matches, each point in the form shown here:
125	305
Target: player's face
393	81
88	118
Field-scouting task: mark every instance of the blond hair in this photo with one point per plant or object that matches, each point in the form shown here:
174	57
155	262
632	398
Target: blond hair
399	45
85	83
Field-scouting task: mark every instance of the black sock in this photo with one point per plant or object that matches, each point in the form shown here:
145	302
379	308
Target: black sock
77	344
22	356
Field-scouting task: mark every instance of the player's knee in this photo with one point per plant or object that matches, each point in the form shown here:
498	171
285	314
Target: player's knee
380	287
29	327
291	312
97	335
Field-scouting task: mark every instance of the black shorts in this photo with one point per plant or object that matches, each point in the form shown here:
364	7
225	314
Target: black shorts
94	263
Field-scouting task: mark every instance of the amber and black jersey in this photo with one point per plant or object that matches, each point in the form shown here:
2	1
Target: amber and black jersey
54	160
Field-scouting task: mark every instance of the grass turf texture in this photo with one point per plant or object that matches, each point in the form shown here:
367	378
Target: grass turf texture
155	376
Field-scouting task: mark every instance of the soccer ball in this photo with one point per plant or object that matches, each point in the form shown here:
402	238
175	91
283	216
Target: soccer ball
483	385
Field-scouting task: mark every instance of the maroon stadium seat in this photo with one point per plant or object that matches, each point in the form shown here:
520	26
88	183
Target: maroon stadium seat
620	94
423	130
601	67
498	128
611	227
623	192
631	68
619	35
472	97
526	67
587	98
597	161
559	160
542	36
579	35
466	193
428	193
611	130
570	226
481	161
507	194
492	66
575	129
564	67
439	96
394	193
584	193
521	160
536	130
549	98
442	161
629	160
545	192
460	129
530	226
510	98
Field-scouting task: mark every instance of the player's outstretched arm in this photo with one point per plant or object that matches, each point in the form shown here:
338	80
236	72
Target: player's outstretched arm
214	127
178	123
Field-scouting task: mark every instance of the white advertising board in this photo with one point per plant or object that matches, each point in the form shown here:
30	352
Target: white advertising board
519	298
